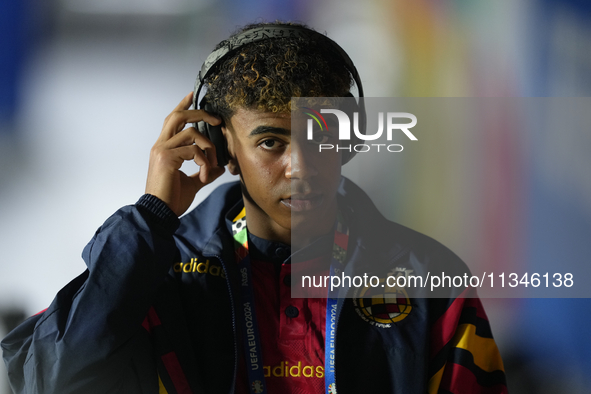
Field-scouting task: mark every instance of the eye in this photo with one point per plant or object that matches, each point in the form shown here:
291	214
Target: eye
270	144
320	138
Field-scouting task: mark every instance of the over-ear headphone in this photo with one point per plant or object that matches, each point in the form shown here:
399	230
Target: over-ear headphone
266	32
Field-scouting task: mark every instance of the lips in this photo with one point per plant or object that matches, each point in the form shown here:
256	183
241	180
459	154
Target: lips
303	202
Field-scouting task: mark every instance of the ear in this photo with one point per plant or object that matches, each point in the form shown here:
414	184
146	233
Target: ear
233	165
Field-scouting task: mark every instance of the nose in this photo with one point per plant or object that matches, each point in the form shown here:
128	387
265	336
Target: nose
300	163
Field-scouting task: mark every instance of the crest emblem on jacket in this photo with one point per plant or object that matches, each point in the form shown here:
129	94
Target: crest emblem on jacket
381	306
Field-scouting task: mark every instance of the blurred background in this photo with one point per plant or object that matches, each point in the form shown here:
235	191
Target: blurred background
85	86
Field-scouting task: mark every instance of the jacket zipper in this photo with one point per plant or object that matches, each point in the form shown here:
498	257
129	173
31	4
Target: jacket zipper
339	310
336	337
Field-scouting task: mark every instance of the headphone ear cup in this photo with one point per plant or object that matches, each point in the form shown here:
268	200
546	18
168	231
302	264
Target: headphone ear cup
216	136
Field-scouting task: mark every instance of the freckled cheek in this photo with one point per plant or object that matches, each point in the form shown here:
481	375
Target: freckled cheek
265	176
267	173
263	181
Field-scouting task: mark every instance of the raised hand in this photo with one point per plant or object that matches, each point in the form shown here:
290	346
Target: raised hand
175	145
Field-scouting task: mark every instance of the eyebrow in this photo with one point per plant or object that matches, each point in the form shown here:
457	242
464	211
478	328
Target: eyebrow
269	129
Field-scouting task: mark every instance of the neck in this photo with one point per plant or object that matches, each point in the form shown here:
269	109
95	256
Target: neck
262	226
259	224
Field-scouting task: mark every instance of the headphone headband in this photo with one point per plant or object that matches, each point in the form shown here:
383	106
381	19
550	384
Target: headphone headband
267	32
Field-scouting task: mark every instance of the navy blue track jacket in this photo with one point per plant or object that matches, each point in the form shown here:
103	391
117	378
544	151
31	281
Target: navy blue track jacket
155	313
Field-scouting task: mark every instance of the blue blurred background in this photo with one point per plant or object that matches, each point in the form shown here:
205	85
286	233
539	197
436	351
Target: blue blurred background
86	84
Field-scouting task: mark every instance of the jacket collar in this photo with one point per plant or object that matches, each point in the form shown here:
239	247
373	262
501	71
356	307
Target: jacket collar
208	226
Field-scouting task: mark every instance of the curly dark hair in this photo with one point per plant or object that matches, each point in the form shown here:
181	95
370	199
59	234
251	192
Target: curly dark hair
266	74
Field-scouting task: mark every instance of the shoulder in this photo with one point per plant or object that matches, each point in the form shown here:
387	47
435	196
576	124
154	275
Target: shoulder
387	247
374	230
208	218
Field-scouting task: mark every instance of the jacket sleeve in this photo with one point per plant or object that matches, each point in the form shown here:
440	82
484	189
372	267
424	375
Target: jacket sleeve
90	339
464	356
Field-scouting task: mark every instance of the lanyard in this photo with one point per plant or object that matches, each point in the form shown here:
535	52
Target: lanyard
248	321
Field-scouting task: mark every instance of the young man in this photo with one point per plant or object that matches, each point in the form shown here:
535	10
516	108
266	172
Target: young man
203	304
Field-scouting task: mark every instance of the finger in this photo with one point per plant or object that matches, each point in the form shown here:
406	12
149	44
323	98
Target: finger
210	153
191	152
185	102
188	136
177	121
201	179
207	167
